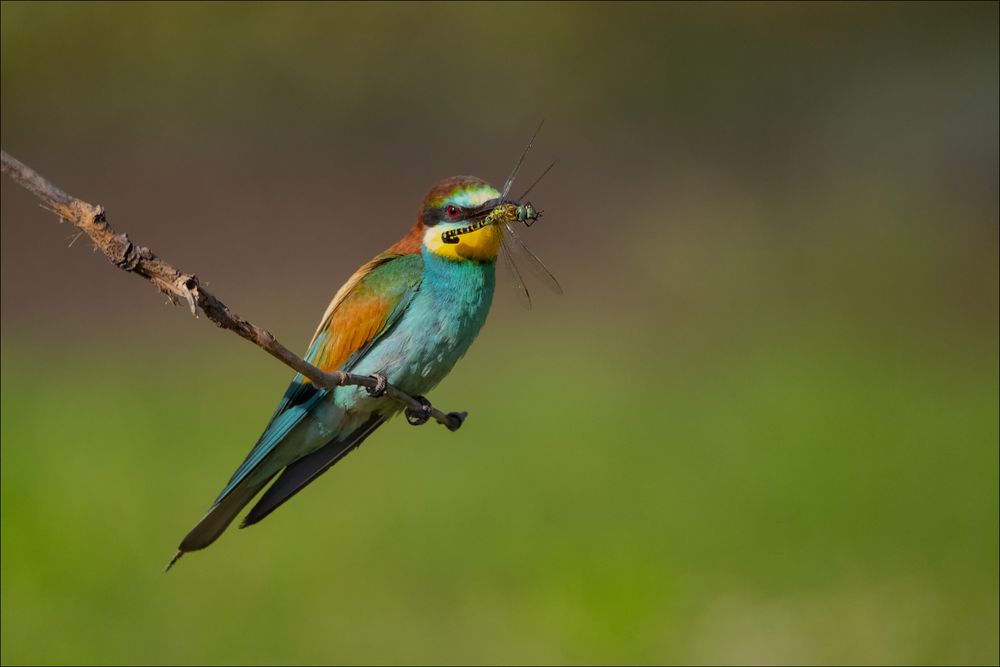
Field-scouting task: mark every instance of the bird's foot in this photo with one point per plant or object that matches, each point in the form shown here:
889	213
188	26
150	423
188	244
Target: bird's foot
418	417
380	384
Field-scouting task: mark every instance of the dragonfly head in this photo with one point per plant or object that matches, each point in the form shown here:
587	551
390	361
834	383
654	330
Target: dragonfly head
528	214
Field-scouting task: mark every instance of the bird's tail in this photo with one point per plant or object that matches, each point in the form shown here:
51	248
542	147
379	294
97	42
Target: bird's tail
219	517
293	479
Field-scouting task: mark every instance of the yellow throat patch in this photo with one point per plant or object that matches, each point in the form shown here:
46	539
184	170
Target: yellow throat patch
481	245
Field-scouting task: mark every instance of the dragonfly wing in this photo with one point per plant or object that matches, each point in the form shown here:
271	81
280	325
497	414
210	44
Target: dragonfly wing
517	166
519	251
523	295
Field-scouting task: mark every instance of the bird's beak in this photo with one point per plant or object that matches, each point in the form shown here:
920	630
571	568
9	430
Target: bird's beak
485	209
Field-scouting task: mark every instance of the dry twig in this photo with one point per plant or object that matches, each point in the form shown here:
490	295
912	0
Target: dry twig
186	288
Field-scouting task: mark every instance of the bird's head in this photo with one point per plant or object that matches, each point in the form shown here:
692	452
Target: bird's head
455	203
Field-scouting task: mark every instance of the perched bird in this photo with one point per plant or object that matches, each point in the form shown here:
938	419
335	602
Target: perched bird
407	315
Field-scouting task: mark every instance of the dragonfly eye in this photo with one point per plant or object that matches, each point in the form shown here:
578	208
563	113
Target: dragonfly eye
453	212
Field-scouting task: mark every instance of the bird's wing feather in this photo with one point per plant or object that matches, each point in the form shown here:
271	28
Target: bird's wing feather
366	307
300	474
275	432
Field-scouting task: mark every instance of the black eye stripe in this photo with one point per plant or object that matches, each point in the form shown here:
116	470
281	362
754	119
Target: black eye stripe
433	216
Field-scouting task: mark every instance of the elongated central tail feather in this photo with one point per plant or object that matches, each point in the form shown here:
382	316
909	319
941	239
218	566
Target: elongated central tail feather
219	517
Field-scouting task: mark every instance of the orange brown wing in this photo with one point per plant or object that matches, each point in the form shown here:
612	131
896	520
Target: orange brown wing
365	307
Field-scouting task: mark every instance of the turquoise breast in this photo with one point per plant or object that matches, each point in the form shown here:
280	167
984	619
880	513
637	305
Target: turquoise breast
438	326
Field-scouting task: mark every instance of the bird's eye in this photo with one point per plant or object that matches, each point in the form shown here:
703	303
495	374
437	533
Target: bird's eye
452	212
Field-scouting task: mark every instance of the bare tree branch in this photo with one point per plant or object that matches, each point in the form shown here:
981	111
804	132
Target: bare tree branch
186	288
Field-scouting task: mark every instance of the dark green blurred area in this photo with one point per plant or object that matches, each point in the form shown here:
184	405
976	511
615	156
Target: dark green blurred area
761	426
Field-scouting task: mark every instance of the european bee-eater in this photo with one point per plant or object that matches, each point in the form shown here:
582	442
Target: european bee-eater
408	315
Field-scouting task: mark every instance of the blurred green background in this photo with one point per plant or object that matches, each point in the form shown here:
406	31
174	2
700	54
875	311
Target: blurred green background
760	426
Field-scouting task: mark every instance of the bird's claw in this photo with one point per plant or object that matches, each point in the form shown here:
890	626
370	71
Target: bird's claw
417	417
380	384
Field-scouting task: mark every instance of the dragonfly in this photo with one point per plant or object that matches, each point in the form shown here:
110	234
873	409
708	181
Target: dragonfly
506	213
